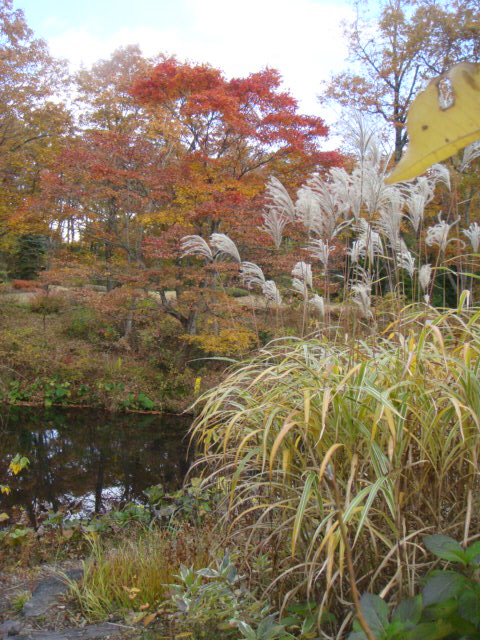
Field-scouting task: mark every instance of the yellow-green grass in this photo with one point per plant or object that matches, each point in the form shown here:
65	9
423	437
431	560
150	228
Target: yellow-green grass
395	419
134	573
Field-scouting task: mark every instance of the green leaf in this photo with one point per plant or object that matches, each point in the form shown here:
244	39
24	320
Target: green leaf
473	553
145	402
246	630
441	587
409	610
208	573
469	605
375	612
430	631
446	548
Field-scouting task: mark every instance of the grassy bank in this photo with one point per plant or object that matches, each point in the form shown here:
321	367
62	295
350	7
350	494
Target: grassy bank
62	350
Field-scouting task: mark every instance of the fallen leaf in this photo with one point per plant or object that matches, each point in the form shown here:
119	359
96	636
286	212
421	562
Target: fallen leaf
149	619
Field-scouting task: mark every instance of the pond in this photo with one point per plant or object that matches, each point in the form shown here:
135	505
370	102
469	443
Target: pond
84	462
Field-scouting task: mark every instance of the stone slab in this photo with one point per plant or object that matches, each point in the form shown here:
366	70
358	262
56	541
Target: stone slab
46	594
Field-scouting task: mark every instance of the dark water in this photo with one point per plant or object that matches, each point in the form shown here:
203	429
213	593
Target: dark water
87	461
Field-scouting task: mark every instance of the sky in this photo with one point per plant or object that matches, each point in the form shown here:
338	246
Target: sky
301	38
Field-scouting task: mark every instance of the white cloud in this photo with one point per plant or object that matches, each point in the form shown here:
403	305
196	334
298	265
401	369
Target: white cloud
303	40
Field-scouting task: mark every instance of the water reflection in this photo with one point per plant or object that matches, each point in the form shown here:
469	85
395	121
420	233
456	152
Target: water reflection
86	460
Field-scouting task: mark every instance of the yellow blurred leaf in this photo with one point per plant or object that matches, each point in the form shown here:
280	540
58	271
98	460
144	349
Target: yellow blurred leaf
437	131
3	517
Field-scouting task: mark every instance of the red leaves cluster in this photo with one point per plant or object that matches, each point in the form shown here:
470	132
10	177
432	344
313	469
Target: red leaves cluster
221	116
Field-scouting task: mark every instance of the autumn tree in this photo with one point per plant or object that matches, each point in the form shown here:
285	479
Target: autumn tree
398	49
108	175
232	135
31	117
229	129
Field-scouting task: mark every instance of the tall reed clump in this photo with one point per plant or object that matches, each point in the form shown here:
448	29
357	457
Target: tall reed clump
390	425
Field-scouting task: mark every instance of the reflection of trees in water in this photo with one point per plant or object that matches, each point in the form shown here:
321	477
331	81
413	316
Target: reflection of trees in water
75	453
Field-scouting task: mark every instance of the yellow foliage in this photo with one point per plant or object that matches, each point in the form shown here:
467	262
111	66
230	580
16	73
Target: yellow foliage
198	382
228	342
165	218
437	130
18	463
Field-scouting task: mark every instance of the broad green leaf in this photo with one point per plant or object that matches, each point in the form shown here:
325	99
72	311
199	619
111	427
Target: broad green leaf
430	631
208	573
473	553
246	630
469	605
375	612
441	587
446	548
307	492
409	610
435	131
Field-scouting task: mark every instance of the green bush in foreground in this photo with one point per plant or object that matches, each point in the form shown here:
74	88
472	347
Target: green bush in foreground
447	607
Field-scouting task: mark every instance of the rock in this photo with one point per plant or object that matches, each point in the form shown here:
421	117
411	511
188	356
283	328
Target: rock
10	628
46	594
89	632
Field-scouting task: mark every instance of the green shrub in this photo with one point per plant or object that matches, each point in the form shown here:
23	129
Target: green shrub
30	257
83	323
447	607
236	292
47	304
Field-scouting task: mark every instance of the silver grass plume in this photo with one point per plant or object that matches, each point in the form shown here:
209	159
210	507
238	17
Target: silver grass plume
471	153
375	193
279	199
329	210
274	223
303	271
390	218
362	136
417	195
424	277
356	251
473	234
355	195
251	275
362	292
318	303
195	246
224	246
299	286
279	211
308	208
321	250
271	292
440	173
341	186
438	234
406	260
370	242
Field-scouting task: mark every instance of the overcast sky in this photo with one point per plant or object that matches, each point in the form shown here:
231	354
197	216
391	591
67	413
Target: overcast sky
301	38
